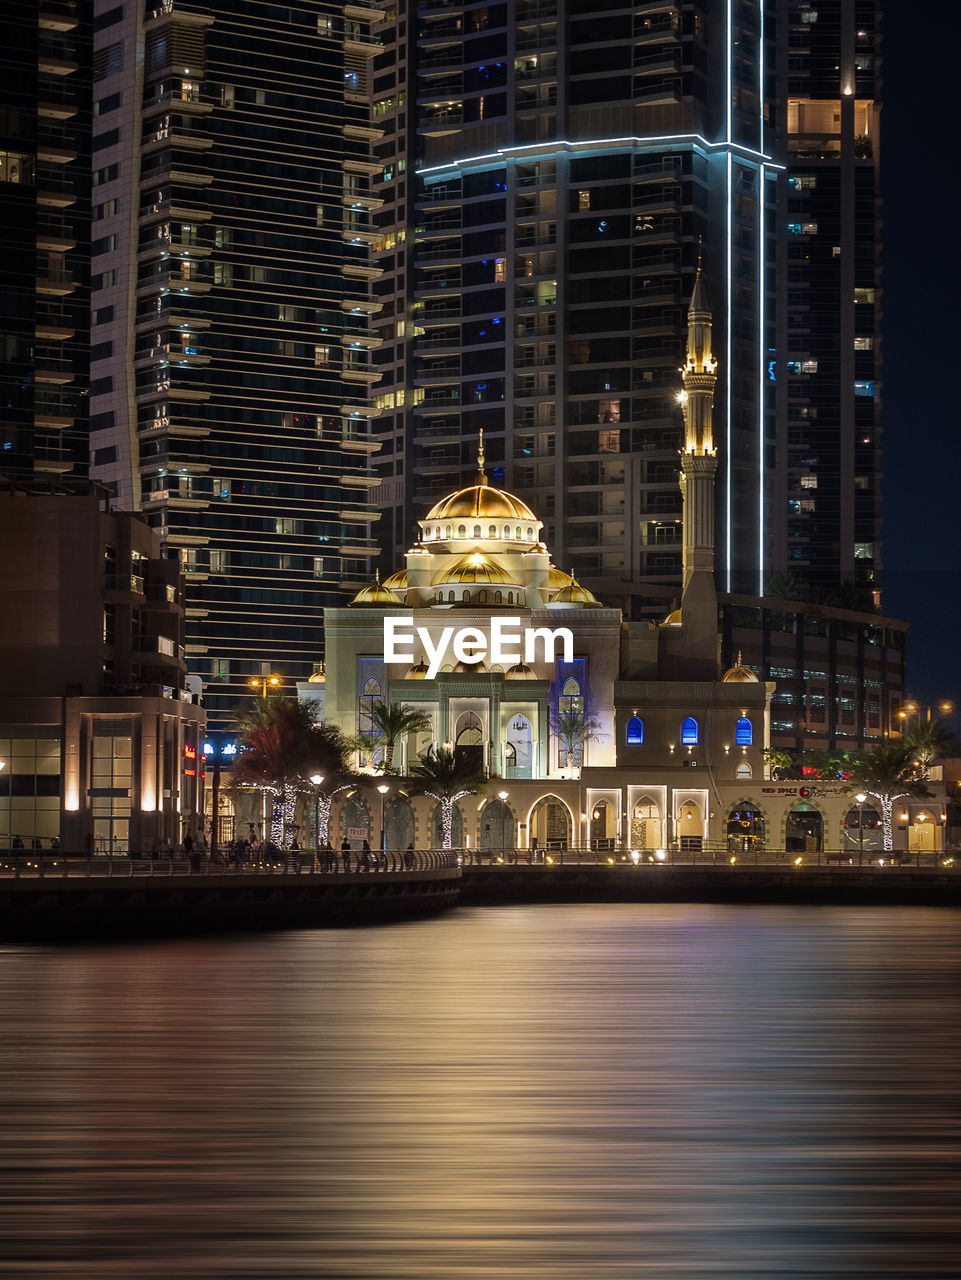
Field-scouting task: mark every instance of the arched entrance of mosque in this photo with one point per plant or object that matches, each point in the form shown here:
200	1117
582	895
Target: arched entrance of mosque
603	826
399	823
469	740
804	829
437	828
646	828
745	829
924	834
690	827
518	759
497	827
551	824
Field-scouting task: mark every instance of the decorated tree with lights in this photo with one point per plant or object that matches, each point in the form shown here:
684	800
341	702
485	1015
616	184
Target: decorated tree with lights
887	773
280	747
447	777
931	740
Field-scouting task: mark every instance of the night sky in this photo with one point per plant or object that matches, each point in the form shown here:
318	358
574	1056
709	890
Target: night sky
921	550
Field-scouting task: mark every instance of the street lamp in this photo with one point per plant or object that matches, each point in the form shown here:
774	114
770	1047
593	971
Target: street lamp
860	798
502	797
317	779
914	708
263	682
383	789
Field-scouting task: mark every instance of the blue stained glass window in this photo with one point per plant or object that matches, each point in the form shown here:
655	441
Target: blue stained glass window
744	733
689	732
635	731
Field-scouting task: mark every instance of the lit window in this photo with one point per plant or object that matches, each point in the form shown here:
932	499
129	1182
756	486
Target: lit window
635	732
863	344
864	551
809	481
744	733
321	355
743	770
809	366
689	736
17	167
809	228
864	296
865	389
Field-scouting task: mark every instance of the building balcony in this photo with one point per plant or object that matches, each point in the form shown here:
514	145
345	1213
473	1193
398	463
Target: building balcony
157	650
156	427
57	15
50	65
54	154
53	332
51	420
175	102
161	210
57	286
359	442
53	372
171	280
124	584
55	193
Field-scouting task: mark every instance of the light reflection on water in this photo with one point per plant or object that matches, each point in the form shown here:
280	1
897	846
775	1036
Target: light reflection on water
559	1093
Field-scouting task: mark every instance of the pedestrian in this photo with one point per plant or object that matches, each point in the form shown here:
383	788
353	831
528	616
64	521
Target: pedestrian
188	844
365	856
17	843
345	853
37	844
409	856
328	853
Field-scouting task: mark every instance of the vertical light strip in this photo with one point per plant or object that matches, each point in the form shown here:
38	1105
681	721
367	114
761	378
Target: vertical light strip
728	106
760	85
729	376
761	386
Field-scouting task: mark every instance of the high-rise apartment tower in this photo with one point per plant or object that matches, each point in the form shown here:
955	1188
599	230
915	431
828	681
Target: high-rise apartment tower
231	305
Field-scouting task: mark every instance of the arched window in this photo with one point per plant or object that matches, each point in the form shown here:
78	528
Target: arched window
743	770
371	694
492	531
530	534
450	597
482	597
448	533
571	698
689	732
744	733
461	531
507	531
517	533
635	731
477	532
498	597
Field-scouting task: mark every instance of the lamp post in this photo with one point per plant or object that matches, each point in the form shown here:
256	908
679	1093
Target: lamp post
317	779
383	789
502	797
914	709
263	682
860	798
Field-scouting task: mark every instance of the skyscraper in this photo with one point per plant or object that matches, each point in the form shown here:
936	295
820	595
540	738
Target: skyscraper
231	346
44	212
549	169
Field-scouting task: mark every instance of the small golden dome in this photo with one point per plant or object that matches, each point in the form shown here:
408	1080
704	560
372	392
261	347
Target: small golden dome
520	671
475	568
319	676
376	595
739	674
557	579
397	581
574	594
470	668
673	619
418	671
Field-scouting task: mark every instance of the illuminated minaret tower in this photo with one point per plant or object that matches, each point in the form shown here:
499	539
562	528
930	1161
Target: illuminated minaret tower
698	465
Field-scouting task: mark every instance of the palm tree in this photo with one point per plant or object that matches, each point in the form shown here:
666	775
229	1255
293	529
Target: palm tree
931	740
887	773
396	721
446	777
281	746
573	728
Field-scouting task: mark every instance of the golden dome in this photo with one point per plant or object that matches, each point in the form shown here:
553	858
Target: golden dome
479	499
520	671
377	594
319	676
574	593
418	671
739	674
673	619
475	568
557	579
397	581
483	501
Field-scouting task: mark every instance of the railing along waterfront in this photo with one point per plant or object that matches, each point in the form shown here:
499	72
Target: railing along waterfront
67	866
707	857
